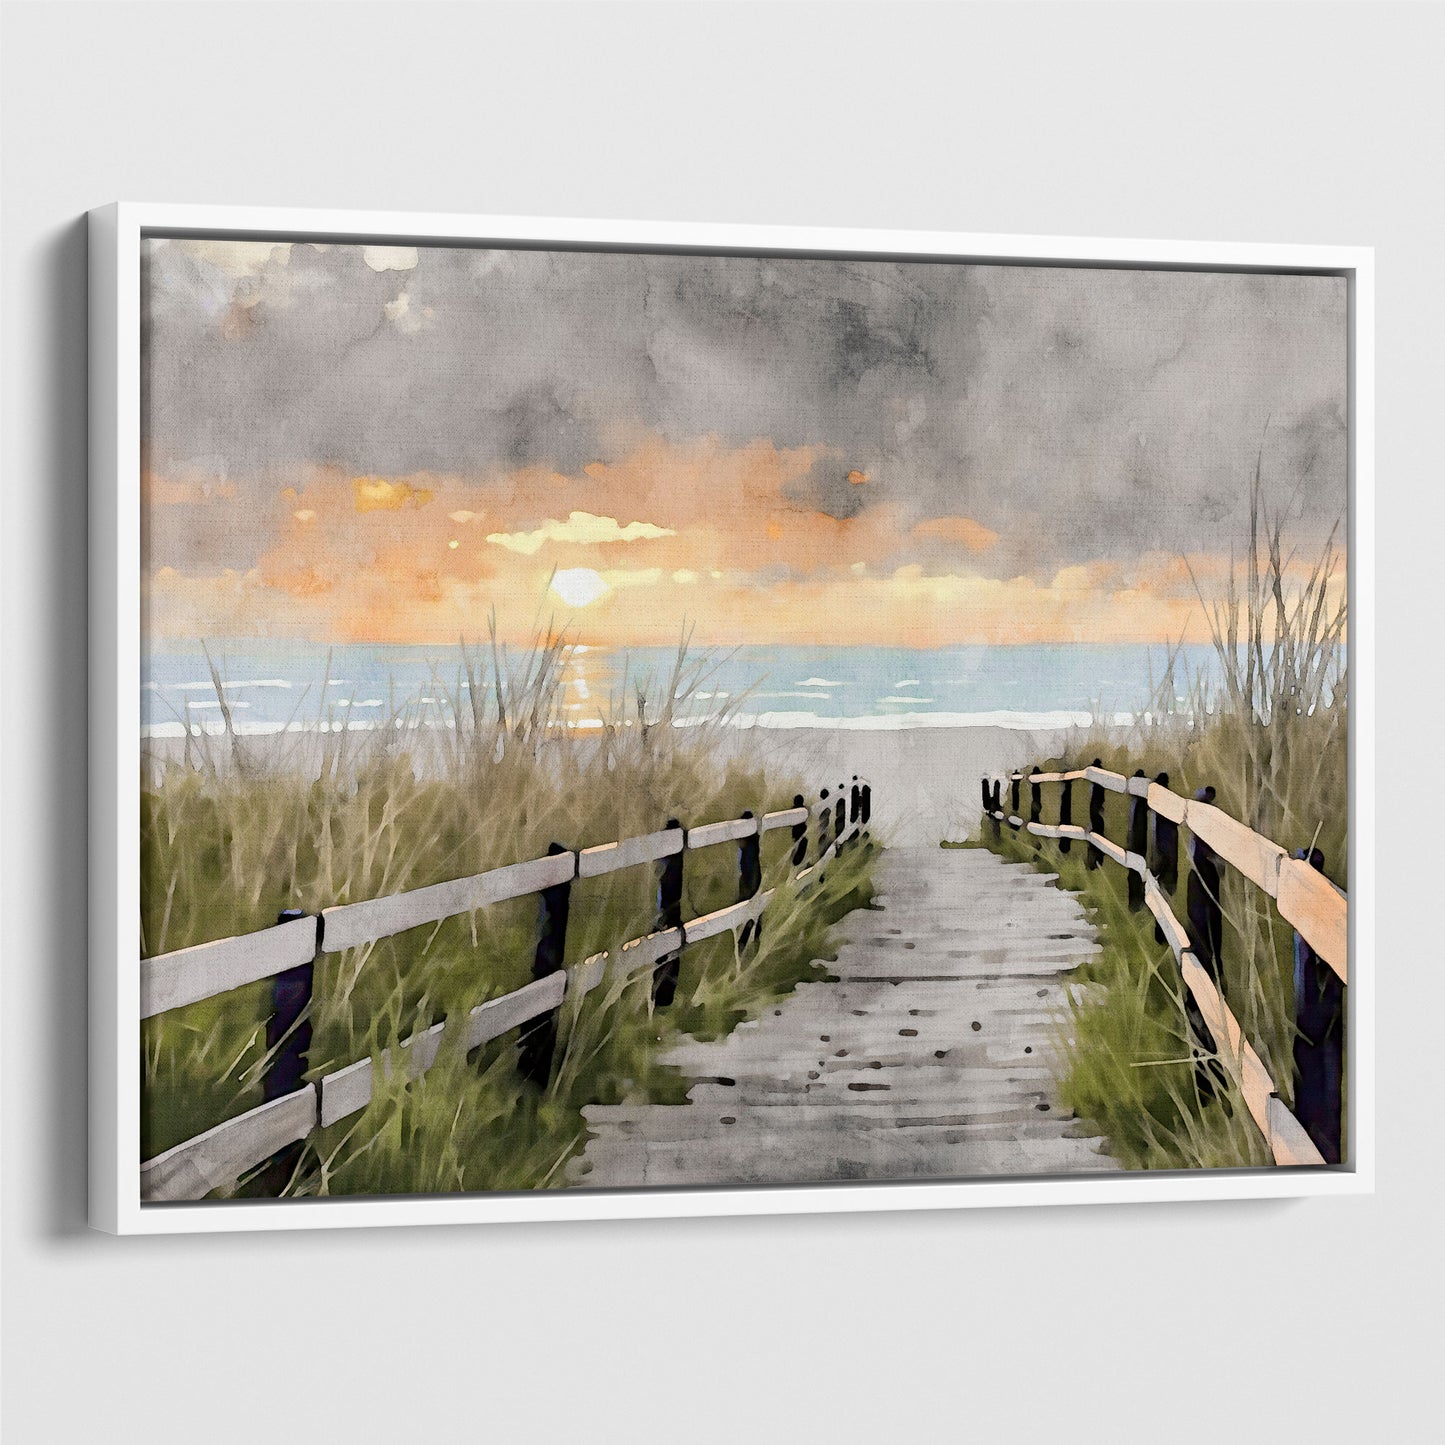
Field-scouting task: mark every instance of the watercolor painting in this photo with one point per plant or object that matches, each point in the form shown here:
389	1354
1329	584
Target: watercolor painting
617	720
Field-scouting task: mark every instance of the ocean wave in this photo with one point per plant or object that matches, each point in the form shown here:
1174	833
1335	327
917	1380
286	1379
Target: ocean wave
209	686
911	699
813	682
1003	718
805	696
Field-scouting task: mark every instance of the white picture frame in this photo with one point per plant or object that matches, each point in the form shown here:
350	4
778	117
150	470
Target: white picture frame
116	235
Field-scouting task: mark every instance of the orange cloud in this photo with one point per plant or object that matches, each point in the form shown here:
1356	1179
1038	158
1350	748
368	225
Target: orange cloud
307	582
376	494
963	530
580	527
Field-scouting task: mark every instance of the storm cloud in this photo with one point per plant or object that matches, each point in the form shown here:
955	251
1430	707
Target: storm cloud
1080	414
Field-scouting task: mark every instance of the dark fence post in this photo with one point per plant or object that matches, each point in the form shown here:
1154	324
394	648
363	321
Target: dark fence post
825	816
288	1040
1206	935
800	835
1164	859
1138	844
669	915
1319	1013
538	1039
750	880
1096	819
1036	797
865	803
1066	811
750	863
1202	899
1015	783
840	817
288	1031
995	806
855	804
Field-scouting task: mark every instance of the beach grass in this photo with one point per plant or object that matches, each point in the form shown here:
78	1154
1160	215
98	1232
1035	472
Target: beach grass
1270	737
235	829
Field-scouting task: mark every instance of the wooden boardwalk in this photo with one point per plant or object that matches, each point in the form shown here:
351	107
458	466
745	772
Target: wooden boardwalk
931	1056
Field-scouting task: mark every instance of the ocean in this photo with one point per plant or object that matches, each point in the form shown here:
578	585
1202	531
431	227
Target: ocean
272	687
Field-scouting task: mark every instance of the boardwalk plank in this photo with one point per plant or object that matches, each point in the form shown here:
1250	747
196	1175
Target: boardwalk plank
930	1055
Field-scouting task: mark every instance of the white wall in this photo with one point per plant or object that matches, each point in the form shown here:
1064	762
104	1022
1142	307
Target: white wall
1153	1323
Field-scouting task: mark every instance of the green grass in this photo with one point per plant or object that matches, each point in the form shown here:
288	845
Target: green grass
1272	741
234	830
1129	1065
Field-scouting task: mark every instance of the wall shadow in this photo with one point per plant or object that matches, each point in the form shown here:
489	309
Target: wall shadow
59	617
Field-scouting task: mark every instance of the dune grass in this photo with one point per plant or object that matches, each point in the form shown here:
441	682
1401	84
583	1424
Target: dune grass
235	829
1271	738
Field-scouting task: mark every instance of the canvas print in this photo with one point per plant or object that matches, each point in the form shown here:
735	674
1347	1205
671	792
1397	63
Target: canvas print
615	719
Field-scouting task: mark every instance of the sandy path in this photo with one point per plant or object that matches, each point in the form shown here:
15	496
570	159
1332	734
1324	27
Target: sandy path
925	779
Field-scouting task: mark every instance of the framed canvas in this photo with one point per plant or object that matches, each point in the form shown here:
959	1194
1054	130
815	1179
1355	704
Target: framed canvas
600	719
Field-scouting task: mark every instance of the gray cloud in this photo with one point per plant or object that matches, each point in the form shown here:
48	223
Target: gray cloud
1079	413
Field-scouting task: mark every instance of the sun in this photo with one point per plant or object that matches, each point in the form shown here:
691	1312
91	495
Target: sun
579	586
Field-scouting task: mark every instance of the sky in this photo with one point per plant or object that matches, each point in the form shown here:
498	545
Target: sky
392	444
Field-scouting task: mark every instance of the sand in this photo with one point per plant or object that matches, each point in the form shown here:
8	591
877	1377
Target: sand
925	780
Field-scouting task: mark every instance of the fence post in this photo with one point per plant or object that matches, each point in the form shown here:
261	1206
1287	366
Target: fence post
288	1031
865	804
825	815
1165	862
1206	912
1014	784
669	915
840	817
1036	797
1066	811
855	806
800	835
1164	859
1319	1014
538	1039
995	806
1138	843
288	1034
1206	934
1096	819
750	880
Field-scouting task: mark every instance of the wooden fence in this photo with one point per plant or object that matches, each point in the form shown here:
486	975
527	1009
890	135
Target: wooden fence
1313	907
287	954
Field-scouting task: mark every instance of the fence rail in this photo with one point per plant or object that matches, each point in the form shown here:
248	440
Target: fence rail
287	952
1316	910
